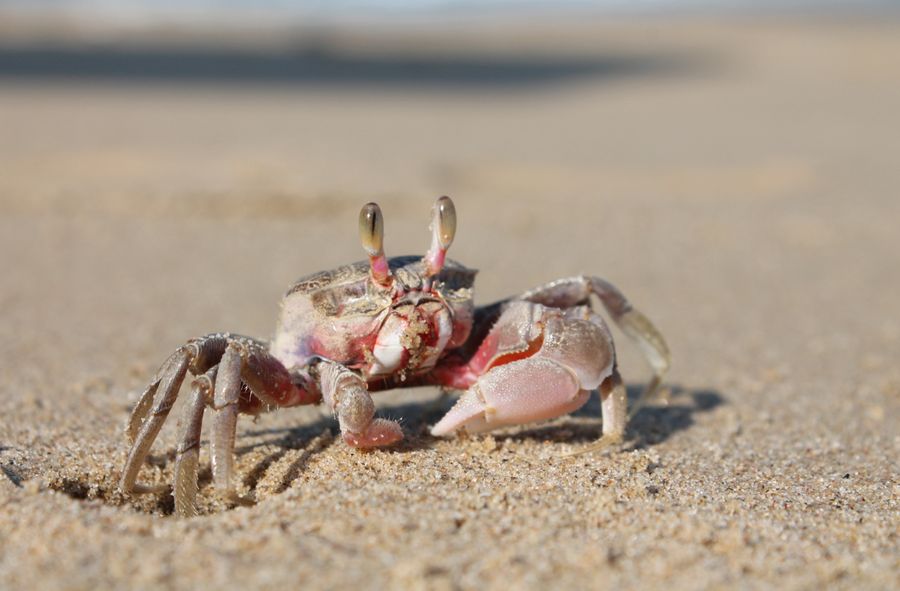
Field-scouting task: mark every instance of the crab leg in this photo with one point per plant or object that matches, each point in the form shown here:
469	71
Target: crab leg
346	394
249	380
140	411
165	386
565	293
614	407
187	453
198	355
225	402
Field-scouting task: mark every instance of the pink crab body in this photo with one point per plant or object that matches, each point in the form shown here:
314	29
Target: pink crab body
386	323
406	336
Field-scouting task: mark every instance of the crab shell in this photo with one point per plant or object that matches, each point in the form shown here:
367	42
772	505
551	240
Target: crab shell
345	316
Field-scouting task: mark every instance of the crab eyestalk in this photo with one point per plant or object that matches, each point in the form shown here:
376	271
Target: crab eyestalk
371	234
443	229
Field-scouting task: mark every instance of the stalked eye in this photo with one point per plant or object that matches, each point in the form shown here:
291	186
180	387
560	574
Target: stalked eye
371	229
443	229
445	221
371	234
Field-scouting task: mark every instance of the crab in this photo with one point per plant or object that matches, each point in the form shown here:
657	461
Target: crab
389	323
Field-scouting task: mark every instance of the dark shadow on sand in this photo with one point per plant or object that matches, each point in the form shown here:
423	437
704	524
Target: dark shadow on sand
653	424
12	475
317	65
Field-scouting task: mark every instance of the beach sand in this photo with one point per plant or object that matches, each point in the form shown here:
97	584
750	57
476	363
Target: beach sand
737	180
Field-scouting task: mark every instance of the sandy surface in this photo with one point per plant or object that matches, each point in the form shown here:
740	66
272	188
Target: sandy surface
745	196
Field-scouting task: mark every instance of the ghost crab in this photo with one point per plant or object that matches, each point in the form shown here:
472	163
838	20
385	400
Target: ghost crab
389	323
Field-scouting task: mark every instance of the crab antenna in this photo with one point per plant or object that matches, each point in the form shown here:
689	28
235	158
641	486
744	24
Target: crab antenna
371	234
443	229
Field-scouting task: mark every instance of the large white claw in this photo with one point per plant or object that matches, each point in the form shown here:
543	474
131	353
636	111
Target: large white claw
527	390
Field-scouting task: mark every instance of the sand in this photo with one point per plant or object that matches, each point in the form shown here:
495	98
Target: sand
738	181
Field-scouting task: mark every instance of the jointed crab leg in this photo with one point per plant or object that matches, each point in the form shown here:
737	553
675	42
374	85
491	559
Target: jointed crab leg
239	376
140	411
613	406
187	454
198	355
225	403
165	386
346	394
614	409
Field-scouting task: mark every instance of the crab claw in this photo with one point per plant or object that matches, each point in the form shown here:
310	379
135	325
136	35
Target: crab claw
520	392
536	363
371	234
379	433
443	229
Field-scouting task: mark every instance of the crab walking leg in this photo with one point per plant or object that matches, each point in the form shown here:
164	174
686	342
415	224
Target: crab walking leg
347	396
187	454
272	384
140	410
614	406
573	291
197	355
245	363
225	403
166	390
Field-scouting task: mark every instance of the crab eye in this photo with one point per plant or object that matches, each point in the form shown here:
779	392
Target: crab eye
443	228
371	233
371	229
445	221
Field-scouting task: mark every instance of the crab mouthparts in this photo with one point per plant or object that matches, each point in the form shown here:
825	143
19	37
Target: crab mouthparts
410	339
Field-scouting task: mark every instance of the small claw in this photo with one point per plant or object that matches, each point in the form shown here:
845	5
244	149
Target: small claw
380	433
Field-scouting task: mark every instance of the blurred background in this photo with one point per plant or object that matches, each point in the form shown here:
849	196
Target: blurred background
168	169
651	142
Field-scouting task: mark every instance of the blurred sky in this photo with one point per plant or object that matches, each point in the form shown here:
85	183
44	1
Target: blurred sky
142	10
